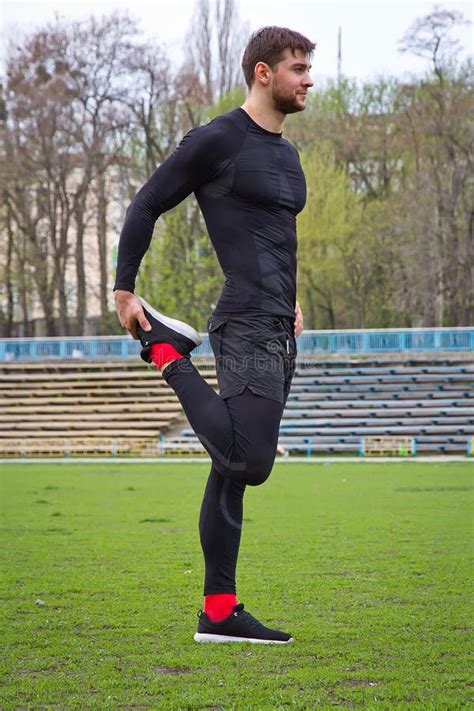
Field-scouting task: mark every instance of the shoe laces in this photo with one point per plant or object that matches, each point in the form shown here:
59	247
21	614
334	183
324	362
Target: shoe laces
239	610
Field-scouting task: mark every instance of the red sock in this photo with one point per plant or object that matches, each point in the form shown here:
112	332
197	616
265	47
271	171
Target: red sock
219	605
161	353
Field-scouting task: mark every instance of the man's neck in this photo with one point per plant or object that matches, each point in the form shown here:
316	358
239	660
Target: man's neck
265	116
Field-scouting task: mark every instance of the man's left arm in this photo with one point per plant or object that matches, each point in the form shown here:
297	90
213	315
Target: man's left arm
298	320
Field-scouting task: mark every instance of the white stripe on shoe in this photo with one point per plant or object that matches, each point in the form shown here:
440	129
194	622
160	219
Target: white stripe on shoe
179	326
222	638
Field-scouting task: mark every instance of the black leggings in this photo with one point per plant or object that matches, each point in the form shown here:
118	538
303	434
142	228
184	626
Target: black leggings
241	435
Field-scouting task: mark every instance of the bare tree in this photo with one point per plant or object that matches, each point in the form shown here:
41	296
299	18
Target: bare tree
430	37
214	44
435	121
68	118
93	57
35	163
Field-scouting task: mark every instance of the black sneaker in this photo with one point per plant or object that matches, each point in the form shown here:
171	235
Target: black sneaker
166	330
239	626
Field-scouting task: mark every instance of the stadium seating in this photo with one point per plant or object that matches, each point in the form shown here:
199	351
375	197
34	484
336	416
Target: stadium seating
124	407
334	404
86	407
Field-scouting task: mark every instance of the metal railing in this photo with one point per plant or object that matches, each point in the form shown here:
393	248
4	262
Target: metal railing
397	340
348	342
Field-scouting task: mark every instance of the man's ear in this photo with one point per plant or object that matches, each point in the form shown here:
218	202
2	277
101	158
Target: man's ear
262	73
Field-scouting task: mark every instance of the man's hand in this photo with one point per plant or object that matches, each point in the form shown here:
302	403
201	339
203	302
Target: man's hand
298	320
130	311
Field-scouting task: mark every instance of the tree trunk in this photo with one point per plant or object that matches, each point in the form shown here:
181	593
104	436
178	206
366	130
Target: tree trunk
102	246
46	295
81	308
9	279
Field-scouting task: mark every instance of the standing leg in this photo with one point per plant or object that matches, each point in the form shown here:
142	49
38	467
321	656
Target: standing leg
255	420
220	527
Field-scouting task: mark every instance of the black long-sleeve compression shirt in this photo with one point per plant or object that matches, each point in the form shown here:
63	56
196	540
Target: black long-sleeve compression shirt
250	186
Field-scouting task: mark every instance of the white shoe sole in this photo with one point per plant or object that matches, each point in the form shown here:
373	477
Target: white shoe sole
223	639
179	326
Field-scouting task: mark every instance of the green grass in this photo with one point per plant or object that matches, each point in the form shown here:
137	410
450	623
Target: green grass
367	565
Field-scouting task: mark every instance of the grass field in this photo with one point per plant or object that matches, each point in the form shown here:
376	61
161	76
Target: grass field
368	565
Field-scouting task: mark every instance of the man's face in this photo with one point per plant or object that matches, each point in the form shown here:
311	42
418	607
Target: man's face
290	82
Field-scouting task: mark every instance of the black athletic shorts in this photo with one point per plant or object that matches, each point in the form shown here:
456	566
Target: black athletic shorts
254	351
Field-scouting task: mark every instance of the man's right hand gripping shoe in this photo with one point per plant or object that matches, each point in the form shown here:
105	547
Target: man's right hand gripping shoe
239	626
166	330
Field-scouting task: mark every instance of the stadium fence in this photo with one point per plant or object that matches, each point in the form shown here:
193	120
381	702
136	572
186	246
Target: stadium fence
310	343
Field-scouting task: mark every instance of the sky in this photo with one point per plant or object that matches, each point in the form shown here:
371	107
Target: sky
371	29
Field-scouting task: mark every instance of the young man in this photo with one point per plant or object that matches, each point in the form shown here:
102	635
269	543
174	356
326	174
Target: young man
250	187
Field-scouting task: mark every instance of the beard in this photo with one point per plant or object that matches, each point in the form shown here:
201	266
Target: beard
284	103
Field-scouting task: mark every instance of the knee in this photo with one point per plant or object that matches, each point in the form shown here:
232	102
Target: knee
258	470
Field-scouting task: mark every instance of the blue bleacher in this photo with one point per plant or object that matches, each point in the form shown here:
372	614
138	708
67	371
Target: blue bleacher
333	404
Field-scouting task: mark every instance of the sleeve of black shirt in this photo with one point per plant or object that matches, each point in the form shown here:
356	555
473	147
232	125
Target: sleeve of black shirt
202	153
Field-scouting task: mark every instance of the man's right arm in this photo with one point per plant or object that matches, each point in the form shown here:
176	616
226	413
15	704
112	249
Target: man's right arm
175	179
200	156
193	162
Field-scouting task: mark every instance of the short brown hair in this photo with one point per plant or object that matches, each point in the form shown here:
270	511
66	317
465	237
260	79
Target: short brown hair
268	44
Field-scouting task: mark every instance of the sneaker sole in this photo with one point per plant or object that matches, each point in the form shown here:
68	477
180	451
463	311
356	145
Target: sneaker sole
179	326
223	639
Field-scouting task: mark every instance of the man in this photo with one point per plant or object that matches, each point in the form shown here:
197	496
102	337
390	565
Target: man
250	186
